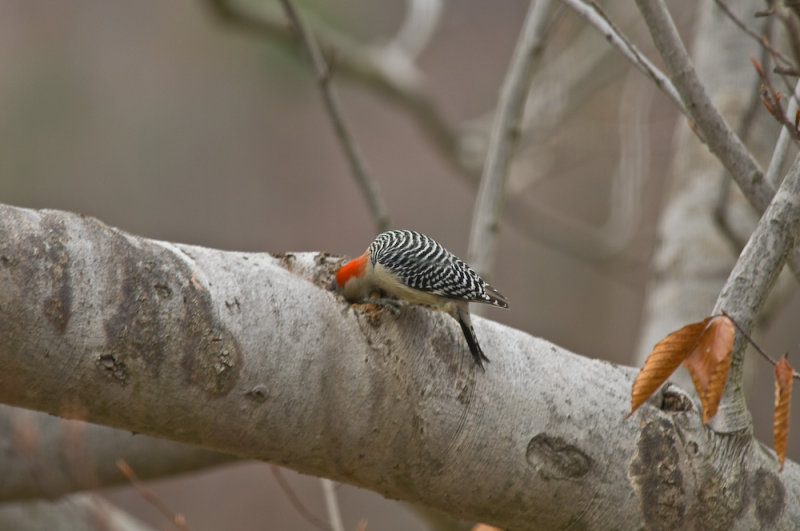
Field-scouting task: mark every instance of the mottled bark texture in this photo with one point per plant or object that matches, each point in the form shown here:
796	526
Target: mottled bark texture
250	354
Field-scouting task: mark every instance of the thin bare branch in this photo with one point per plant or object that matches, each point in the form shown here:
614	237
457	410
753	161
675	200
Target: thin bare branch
332	504
776	54
781	146
719	137
784	65
599	242
789	16
368	185
771	99
595	16
403	86
421	19
707	120
750	340
177	519
504	135
296	502
721	207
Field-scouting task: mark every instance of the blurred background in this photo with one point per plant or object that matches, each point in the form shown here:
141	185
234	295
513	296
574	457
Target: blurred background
163	120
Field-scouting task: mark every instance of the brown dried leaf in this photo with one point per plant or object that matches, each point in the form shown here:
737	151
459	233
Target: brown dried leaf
662	361
783	399
709	361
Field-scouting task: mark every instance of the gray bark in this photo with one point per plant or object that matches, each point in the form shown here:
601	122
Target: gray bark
693	256
251	355
748	285
48	457
81	512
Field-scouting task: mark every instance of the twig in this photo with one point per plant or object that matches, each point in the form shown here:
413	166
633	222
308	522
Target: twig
789	16
332	504
771	99
787	67
595	16
401	83
368	186
503	137
405	86
177	519
295	501
718	135
421	18
594	242
781	146
750	340
761	39
745	126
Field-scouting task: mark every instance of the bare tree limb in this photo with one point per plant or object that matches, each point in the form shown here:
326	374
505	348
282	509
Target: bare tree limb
248	354
692	258
365	181
779	58
782	145
584	67
746	125
603	241
595	16
421	19
48	457
719	137
504	135
749	284
371	66
332	504
80	512
388	71
721	140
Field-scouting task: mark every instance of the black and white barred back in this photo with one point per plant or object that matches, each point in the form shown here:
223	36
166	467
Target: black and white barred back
423	264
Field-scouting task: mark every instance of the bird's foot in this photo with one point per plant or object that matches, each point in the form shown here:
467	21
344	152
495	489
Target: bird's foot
393	305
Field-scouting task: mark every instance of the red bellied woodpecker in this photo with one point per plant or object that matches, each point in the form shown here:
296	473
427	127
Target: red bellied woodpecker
417	269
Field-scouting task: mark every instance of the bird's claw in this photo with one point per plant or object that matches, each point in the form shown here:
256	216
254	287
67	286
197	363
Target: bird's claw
393	305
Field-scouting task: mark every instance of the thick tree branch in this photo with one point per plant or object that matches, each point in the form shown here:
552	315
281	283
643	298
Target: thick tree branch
83	512
249	355
48	457
749	284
